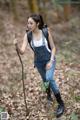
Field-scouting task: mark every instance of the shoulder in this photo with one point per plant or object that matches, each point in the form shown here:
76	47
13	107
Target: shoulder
26	35
29	36
46	29
49	30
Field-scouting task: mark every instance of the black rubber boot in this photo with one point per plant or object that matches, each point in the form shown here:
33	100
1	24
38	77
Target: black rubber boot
48	91
60	108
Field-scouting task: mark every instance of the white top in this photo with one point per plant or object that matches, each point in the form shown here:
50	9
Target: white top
38	43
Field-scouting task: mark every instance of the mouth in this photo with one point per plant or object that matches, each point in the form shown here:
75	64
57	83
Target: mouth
30	29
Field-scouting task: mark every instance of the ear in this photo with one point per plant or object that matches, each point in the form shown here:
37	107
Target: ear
38	24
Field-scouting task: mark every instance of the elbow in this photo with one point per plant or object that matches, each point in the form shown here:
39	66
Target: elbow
21	52
53	48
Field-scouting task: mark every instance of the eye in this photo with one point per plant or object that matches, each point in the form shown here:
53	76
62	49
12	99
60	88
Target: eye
30	23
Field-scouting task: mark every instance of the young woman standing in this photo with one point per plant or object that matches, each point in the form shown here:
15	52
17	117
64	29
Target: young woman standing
44	57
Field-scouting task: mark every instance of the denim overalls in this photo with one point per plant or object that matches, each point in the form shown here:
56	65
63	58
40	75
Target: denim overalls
42	57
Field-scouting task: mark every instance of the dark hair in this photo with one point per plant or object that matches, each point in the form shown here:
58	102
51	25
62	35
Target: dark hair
38	19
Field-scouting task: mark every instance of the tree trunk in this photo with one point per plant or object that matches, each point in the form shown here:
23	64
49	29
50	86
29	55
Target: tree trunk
67	11
33	4
13	9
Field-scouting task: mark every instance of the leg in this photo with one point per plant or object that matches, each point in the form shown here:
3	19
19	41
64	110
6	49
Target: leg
55	89
42	71
49	78
60	108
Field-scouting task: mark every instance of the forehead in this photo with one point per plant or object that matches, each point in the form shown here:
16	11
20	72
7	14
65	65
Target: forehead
31	20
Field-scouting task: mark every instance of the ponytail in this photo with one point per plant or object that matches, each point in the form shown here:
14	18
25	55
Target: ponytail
41	23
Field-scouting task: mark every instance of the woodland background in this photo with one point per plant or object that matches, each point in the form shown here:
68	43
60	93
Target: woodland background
63	18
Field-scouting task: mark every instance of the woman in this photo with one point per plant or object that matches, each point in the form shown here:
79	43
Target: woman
44	59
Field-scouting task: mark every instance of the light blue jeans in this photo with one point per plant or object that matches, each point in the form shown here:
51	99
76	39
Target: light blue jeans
48	76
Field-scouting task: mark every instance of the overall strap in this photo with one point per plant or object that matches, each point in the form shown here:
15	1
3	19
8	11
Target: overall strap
43	39
45	33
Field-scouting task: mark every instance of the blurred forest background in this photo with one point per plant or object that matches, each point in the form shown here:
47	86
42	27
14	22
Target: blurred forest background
63	18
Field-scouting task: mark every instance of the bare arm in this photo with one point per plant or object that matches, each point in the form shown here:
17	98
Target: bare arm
24	44
53	49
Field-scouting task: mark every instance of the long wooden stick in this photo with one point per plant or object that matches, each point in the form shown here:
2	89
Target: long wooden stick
27	111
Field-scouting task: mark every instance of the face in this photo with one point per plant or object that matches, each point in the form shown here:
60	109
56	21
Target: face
31	24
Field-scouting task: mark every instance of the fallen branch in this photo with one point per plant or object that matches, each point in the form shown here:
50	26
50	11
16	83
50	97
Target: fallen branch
27	111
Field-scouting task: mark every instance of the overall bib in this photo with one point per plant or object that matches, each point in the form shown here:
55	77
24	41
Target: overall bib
42	57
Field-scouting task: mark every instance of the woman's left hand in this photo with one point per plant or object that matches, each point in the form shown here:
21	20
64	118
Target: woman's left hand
49	65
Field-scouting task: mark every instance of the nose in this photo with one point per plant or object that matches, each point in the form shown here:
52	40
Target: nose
29	26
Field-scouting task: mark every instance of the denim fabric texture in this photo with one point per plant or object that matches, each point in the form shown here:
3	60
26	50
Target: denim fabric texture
42	57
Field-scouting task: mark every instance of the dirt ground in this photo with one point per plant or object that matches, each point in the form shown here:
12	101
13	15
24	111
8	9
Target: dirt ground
67	73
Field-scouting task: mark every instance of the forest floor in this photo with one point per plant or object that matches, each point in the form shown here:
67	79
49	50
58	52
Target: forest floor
67	73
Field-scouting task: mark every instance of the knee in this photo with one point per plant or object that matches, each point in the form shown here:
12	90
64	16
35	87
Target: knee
49	78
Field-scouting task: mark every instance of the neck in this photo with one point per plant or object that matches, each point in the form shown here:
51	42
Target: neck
36	31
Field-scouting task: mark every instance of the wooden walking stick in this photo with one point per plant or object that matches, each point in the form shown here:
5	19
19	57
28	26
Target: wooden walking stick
27	111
